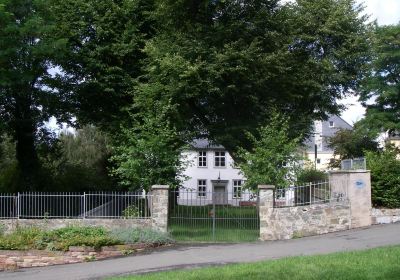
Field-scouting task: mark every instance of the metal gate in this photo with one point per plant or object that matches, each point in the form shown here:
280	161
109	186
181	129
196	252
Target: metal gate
217	216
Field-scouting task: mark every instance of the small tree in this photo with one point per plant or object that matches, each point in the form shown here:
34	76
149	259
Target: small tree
385	177
351	144
274	158
148	153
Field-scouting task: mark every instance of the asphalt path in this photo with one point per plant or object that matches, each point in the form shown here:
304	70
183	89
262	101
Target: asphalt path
188	256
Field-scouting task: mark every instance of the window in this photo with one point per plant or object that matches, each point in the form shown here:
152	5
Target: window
237	188
202	188
219	159
331	124
202	159
318	160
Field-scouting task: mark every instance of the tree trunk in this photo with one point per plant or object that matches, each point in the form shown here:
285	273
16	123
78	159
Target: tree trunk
25	130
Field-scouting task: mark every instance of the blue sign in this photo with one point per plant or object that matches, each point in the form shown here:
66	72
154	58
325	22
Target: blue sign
360	184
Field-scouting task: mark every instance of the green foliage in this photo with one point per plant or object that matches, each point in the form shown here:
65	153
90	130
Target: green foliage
385	177
62	239
274	157
59	239
225	64
348	144
131	211
382	84
2	229
21	239
308	175
141	235
104	42
149	152
79	161
27	95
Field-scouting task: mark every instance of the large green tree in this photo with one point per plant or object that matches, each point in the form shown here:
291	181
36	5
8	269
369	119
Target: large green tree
104	56
380	91
225	64
27	95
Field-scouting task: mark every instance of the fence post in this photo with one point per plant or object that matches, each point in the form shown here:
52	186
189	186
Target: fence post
266	209
355	185
160	207
18	206
84	205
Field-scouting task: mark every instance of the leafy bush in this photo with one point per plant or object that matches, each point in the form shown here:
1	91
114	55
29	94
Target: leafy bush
59	239
131	211
385	177
311	175
21	239
138	235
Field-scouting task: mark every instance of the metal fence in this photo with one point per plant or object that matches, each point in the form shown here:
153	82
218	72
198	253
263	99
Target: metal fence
70	205
310	193
218	216
354	164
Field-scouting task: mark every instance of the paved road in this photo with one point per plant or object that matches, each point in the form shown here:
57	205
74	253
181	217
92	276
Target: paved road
202	255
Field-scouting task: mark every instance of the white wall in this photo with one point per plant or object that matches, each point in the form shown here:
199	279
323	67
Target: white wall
209	173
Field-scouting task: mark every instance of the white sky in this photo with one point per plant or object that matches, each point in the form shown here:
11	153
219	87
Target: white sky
385	12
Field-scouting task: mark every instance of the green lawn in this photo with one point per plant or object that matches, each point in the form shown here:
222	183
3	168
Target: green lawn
232	224
381	263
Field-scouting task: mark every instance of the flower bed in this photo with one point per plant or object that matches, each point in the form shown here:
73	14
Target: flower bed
31	247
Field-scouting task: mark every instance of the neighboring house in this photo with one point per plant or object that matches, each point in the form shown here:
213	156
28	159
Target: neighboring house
393	137
323	130
212	177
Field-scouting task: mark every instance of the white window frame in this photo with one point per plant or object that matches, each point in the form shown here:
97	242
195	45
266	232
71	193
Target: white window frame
202	188
237	189
202	157
331	124
219	157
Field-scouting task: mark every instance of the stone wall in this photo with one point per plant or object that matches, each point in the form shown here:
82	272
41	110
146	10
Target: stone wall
385	216
294	222
49	224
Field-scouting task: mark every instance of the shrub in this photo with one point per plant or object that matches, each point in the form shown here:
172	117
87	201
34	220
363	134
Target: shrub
61	239
2	229
138	235
131	211
385	177
311	175
21	239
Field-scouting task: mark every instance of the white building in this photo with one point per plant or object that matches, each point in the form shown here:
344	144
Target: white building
212	177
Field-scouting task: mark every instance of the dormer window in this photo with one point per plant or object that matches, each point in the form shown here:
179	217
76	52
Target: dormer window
202	157
331	124
219	159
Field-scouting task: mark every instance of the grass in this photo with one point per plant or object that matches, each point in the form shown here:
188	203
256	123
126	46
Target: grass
196	223
381	263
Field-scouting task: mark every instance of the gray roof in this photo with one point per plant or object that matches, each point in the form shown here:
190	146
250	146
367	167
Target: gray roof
327	132
205	144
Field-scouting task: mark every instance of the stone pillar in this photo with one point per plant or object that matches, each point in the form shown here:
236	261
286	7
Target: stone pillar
266	208
356	185
159	212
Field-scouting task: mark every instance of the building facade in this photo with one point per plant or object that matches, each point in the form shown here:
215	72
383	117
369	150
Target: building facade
318	141
211	177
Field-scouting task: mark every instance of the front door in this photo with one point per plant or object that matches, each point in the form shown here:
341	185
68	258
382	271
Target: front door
219	195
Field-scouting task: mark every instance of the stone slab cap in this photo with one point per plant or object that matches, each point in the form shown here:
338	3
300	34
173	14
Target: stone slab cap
266	187
160	187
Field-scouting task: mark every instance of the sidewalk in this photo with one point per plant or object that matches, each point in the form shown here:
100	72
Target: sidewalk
202	255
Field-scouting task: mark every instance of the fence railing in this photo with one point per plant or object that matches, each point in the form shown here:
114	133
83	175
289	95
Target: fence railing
308	194
354	164
70	205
